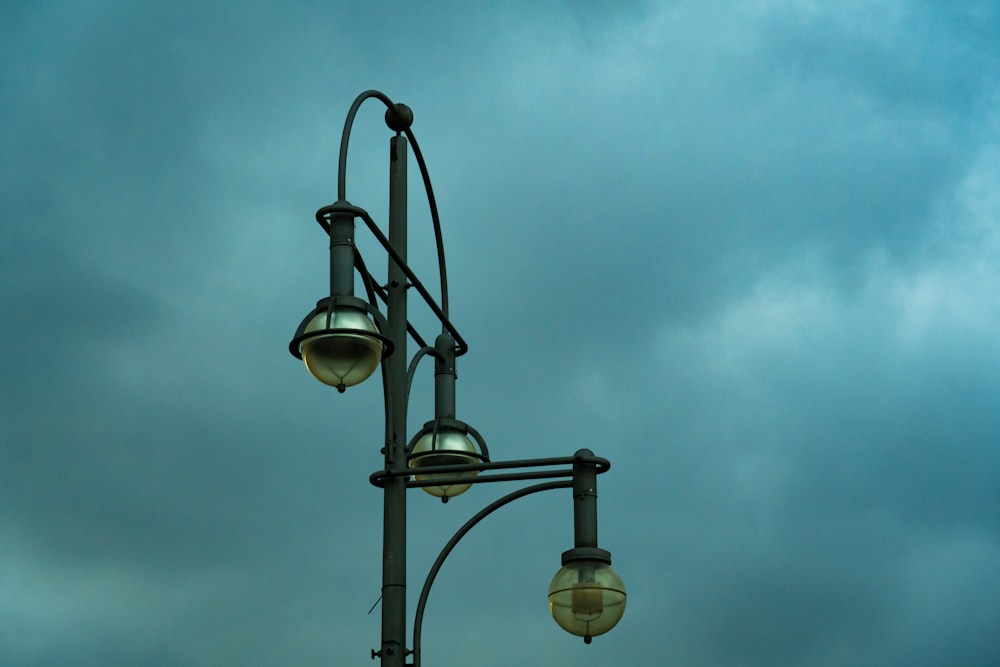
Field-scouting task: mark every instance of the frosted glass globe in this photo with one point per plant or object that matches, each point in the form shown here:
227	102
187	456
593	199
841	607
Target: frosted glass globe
446	447
587	598
342	359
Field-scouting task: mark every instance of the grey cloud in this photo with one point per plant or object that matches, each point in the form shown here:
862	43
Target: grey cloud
675	231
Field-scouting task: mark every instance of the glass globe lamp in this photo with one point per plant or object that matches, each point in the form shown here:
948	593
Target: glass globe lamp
444	445
342	358
587	598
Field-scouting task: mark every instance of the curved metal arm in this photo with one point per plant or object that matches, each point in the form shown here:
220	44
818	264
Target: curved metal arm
420	354
425	176
435	220
418	620
346	136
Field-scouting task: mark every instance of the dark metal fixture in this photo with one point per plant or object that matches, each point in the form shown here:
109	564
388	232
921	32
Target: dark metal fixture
344	339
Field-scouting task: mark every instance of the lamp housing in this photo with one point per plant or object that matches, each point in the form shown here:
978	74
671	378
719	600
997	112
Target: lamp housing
339	342
586	596
444	442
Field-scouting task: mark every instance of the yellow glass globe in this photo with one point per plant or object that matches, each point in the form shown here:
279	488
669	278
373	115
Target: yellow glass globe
587	598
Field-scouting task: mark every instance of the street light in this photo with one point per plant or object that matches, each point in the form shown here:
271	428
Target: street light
344	339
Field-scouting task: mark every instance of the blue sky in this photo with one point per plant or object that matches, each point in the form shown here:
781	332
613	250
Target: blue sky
746	251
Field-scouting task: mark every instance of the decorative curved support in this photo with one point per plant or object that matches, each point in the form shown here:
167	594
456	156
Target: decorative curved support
435	220
398	117
414	361
418	620
346	136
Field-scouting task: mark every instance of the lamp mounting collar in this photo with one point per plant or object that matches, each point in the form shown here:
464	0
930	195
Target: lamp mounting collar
586	554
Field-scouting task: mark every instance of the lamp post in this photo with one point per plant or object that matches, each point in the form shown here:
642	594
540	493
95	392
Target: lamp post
345	339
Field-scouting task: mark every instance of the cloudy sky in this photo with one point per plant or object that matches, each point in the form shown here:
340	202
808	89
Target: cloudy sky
748	251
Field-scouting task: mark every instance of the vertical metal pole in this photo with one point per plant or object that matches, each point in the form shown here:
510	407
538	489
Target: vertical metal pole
584	500
342	254
444	377
393	650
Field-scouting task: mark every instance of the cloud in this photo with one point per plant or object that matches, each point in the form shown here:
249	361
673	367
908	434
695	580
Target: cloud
745	251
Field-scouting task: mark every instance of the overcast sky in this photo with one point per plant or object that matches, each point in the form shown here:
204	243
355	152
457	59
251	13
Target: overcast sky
748	251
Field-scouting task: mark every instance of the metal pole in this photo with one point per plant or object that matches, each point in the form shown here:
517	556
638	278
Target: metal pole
393	651
584	500
444	377
342	254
